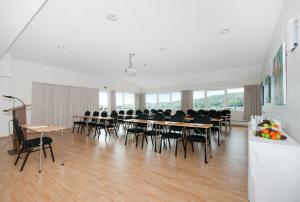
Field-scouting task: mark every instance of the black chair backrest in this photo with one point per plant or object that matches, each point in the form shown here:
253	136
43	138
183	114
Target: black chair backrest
180	112
214	114
129	112
104	114
121	112
142	116
202	119
160	110
177	118
146	111
138	112
19	131
167	113
114	114
191	112
86	113
95	113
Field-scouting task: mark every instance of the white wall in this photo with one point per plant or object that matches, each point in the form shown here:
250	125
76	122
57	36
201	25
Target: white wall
289	114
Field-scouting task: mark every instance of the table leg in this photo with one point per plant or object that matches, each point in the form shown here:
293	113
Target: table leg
41	148
62	147
206	131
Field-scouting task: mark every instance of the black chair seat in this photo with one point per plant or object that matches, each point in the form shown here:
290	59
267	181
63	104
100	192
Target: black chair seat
196	138
36	142
135	130
171	135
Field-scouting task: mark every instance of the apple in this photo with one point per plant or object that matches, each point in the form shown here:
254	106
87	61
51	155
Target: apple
278	137
266	125
267	136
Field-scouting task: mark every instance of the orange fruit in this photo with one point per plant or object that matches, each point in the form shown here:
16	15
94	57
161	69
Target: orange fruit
266	131
274	137
273	133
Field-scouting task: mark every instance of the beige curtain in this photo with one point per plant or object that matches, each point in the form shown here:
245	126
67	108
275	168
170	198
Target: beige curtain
137	101
56	104
252	101
186	100
141	101
112	100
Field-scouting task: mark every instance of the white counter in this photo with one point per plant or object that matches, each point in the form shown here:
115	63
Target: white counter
273	169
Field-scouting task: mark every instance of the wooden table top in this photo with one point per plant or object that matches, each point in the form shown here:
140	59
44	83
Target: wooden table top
43	128
170	123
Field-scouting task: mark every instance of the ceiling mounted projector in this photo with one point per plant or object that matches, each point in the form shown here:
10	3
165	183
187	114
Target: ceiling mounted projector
129	70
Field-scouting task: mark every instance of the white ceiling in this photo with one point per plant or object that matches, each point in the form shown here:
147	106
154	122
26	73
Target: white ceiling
189	31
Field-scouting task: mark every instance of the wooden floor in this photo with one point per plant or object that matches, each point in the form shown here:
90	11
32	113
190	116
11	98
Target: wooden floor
109	171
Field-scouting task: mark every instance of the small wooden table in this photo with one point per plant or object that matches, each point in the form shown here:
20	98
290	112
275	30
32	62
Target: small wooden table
42	129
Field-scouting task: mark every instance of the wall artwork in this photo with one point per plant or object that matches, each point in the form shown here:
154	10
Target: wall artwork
267	90
279	76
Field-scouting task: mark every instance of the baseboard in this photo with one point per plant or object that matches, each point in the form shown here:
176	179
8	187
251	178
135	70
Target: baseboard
240	123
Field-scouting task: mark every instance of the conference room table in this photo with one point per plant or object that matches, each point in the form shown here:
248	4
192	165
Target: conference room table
185	125
42	130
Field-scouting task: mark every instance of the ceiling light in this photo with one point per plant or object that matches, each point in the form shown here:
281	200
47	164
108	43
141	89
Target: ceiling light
112	17
62	47
224	31
162	49
232	55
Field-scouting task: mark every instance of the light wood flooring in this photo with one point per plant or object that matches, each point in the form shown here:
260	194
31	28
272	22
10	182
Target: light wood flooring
99	170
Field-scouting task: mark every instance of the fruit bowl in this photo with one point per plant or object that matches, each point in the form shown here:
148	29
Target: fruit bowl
267	124
270	133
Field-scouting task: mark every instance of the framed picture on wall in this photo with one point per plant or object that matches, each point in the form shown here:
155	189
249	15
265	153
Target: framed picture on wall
279	76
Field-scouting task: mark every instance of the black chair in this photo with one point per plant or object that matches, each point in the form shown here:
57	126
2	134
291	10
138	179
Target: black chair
174	132
93	123
138	112
129	114
199	136
191	112
155	131
137	128
81	124
146	111
160	110
101	125
181	112
30	145
121	117
112	123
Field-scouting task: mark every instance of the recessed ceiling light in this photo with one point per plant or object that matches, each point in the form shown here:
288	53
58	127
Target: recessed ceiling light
112	17
62	47
224	31
145	64
232	55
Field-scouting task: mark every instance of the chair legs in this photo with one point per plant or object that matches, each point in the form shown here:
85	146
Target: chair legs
50	147
18	157
45	155
24	162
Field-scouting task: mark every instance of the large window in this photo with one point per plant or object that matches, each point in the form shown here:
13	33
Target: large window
176	100
103	101
151	101
216	99
125	101
198	100
164	101
235	98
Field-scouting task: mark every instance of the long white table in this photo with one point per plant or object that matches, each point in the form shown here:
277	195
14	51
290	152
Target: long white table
273	169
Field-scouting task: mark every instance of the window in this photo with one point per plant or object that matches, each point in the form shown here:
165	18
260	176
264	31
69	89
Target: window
129	101
176	101
125	101
151	101
164	101
216	99
103	101
235	98
198	100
